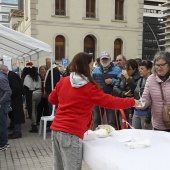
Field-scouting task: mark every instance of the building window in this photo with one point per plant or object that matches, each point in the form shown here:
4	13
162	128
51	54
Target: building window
91	8
59	47
60	7
5	18
8	8
10	1
117	47
119	8
89	45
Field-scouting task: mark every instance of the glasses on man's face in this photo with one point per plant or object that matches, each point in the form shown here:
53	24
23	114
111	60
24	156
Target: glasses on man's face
160	65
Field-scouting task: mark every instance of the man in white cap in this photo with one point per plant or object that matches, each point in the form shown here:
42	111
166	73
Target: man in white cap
106	76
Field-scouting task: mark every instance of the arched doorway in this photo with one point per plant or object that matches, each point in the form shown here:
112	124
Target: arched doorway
117	47
59	47
89	45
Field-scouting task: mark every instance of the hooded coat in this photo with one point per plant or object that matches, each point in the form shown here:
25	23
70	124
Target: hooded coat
75	97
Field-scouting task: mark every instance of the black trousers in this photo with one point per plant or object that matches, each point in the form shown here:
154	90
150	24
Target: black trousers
42	109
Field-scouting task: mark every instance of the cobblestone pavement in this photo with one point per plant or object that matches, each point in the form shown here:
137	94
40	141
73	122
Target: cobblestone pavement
30	152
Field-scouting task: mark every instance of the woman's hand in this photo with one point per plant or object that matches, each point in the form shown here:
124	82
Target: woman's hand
130	116
128	93
125	74
140	105
137	103
146	124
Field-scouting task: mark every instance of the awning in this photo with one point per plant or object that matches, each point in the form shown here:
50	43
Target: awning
18	45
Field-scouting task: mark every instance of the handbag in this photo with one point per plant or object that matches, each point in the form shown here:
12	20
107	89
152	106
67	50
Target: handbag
165	111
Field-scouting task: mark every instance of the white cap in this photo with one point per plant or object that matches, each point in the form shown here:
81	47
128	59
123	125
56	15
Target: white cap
105	55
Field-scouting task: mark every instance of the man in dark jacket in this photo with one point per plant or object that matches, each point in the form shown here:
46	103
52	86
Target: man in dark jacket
47	81
5	93
17	114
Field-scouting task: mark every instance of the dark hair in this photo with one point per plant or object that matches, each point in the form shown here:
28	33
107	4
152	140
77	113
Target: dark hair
147	63
132	63
80	65
33	73
98	60
138	60
124	58
42	67
24	73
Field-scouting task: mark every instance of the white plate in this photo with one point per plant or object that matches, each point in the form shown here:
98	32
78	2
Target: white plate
103	131
141	105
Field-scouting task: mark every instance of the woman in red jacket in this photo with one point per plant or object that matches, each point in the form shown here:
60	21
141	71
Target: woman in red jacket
75	96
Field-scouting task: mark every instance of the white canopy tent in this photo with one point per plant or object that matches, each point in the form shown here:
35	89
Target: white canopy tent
20	46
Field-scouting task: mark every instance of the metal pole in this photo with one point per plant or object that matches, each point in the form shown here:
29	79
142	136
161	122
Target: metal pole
152	33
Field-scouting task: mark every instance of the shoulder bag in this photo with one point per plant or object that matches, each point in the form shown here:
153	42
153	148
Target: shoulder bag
165	110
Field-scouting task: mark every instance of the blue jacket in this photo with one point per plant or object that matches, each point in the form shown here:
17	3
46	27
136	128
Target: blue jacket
5	91
99	76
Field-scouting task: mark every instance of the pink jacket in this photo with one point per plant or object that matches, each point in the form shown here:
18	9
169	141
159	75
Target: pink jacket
152	95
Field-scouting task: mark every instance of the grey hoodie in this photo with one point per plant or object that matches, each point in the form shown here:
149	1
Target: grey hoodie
77	81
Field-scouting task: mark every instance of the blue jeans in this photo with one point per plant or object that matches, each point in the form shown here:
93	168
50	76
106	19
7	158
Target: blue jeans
17	129
110	116
138	122
68	151
4	109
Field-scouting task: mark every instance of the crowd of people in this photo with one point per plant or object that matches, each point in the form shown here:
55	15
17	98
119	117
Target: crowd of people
84	93
30	92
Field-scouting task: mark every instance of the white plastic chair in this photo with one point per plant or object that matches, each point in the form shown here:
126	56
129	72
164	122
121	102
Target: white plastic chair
45	119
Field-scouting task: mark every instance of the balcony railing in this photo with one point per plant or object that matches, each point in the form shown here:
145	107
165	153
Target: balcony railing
119	17
60	12
90	15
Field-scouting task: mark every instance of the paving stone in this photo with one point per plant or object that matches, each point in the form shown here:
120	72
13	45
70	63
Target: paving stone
30	152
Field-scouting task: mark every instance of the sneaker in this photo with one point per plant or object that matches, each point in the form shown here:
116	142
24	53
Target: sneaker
7	145
3	148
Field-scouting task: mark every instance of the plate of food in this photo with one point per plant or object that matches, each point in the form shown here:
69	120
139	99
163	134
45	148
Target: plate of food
103	131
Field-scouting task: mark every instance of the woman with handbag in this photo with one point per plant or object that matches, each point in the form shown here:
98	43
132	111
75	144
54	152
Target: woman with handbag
157	90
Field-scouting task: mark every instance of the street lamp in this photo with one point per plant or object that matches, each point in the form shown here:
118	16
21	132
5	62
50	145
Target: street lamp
152	33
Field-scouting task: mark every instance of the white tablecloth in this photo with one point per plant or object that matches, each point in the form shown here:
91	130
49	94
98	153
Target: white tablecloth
111	153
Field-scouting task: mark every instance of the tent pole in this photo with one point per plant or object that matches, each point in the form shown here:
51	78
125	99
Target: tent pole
38	66
53	106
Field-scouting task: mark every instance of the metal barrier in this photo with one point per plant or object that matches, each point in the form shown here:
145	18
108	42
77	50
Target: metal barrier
125	124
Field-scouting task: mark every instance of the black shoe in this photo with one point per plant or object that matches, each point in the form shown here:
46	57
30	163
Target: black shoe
14	136
48	130
34	129
11	127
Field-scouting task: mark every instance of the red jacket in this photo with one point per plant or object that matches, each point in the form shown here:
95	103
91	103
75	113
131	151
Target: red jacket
75	106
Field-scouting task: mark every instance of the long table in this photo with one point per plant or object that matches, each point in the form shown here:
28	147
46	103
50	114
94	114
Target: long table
111	153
